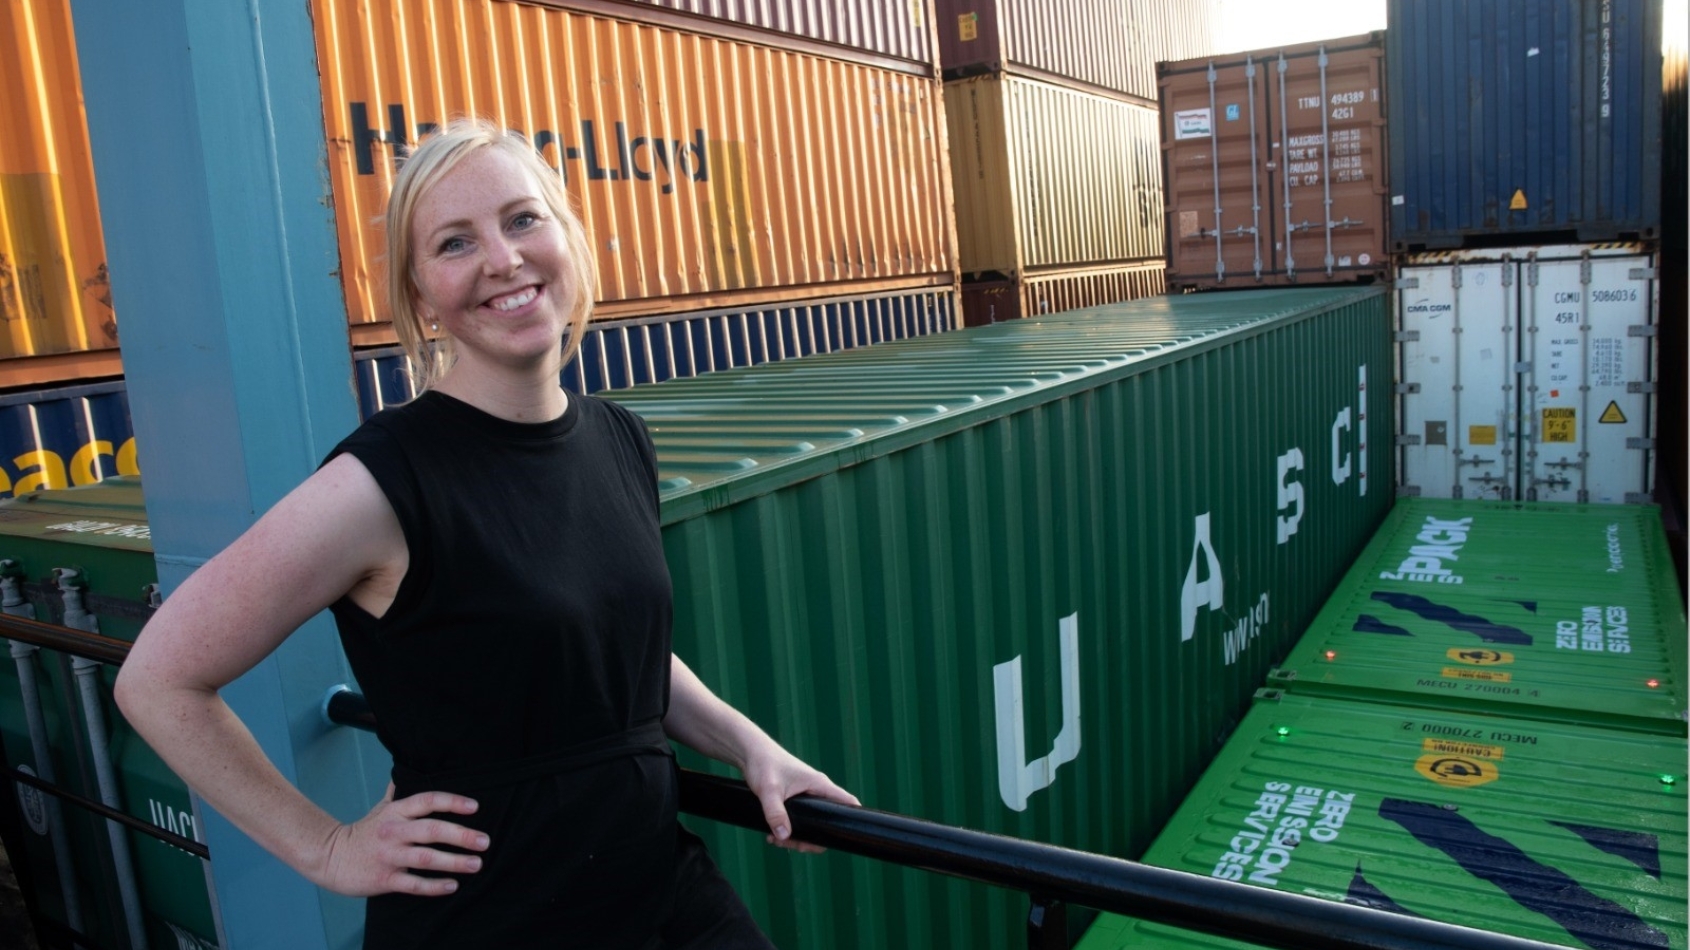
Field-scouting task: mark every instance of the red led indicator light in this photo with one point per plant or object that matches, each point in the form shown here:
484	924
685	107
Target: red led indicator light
1331	654
1653	684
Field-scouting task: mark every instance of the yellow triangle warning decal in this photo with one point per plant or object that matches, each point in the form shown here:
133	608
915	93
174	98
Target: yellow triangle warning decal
1518	202
1612	415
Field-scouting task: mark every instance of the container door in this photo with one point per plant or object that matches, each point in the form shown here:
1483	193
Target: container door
1459	406
1327	197
1589	369
1215	149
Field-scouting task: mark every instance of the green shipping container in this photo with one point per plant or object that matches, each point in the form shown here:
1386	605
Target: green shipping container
1022	578
100	532
1562	612
1566	834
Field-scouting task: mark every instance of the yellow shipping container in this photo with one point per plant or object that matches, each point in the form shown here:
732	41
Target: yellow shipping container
709	172
55	305
1051	177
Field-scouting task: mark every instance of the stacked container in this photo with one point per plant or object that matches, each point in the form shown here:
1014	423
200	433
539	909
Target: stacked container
1525	181
1052	117
56	319
1274	163
758	185
1674	427
82	558
1485	725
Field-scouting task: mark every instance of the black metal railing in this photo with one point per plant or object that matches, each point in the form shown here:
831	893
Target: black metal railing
1053	877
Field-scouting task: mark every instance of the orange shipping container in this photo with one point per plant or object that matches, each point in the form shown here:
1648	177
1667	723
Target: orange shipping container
897	28
54	299
1275	165
1051	177
709	172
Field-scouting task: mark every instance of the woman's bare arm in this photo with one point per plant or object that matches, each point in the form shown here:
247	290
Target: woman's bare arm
700	719
334	534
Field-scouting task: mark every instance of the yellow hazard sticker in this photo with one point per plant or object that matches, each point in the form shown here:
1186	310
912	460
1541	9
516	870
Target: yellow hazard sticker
1466	673
1560	424
968	27
1612	415
1472	750
1518	202
1454	770
1479	656
1481	435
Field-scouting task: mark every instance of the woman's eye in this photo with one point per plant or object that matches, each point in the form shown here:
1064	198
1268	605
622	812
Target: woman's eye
453	245
524	219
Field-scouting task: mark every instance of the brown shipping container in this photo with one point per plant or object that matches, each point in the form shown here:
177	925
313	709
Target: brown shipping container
55	306
1112	44
995	301
897	28
1275	164
1050	177
709	172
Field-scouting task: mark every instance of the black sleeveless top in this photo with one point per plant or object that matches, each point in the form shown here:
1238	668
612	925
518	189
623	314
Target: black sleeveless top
524	661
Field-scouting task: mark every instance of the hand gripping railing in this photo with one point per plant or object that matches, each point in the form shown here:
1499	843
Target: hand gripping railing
1052	876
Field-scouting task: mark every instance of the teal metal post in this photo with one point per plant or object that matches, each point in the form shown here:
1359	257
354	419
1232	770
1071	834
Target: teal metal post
207	130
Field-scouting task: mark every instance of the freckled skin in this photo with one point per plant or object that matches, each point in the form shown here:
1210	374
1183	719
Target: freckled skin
484	237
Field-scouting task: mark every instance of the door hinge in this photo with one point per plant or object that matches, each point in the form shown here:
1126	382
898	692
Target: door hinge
1408	440
1637	498
1635	443
1406	336
1407	388
1645	330
1641	273
1637	387
1408	491
1408	283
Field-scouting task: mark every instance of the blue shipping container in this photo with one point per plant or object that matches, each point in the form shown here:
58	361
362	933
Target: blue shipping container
1523	121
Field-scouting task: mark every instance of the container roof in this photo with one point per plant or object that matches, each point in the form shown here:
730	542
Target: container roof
726	436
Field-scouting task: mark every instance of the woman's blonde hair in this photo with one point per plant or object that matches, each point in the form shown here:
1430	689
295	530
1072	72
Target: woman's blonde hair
433	159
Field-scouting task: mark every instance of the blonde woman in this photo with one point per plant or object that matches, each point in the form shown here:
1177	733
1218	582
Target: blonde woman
492	556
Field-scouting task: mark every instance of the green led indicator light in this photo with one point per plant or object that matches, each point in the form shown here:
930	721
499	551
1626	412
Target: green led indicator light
1669	780
1283	730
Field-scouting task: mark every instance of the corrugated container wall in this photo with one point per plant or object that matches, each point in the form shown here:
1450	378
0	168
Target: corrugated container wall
993	301
1552	612
1050	177
1274	165
1572	836
1021	578
897	28
1528	373
54	297
709	172
1111	44
1522	121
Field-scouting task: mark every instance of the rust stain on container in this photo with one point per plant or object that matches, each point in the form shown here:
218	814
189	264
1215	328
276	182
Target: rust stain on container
1275	163
1050	177
1104	43
703	167
54	297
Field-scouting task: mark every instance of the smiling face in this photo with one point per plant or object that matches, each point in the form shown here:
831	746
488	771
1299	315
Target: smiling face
490	265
